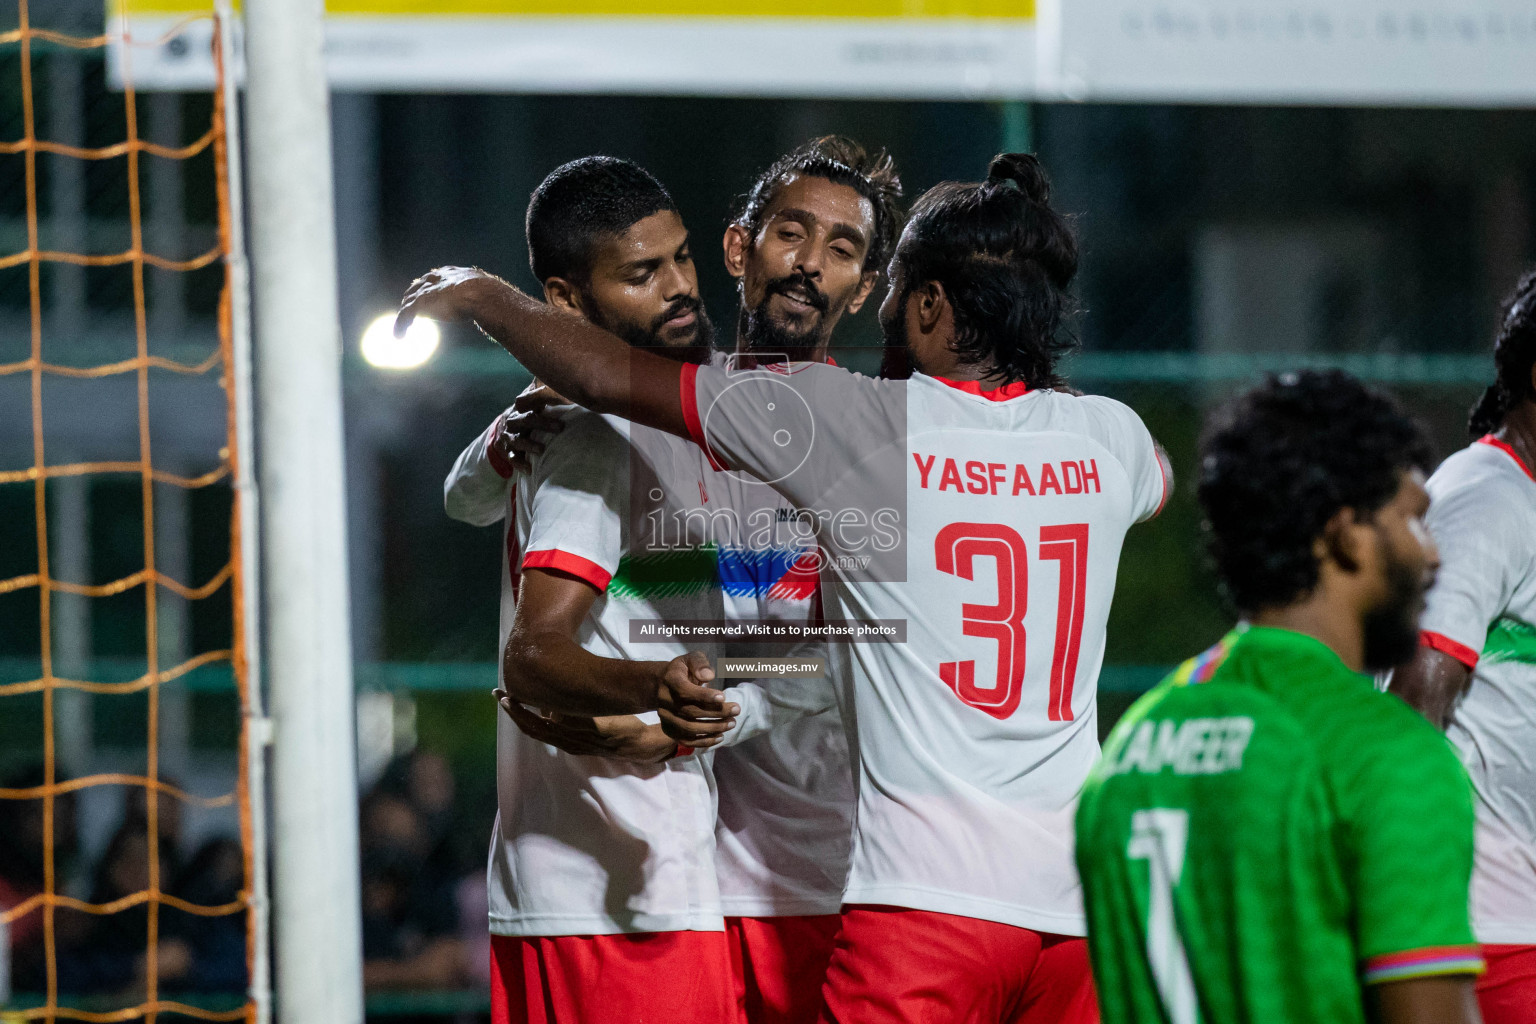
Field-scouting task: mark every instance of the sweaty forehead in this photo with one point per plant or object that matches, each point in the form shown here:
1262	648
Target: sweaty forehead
653	237
829	202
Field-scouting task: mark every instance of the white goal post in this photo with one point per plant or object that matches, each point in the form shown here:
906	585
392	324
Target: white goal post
306	655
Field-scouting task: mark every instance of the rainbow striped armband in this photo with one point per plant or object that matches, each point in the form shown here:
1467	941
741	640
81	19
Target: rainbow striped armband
1422	963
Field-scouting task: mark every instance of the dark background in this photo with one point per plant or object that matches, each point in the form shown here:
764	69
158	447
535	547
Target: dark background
1215	240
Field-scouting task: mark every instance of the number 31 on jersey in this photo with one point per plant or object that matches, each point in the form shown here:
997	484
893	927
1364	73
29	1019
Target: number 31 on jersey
955	550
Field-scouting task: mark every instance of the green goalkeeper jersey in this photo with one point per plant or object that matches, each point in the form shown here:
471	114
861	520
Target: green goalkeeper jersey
1265	835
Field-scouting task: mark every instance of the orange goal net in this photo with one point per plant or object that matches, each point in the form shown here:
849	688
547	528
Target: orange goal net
102	372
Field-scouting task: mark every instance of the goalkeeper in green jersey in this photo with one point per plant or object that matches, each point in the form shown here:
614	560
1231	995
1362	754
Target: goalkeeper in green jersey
1267	838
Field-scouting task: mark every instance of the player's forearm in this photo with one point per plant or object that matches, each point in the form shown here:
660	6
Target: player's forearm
1447	1000
1431	683
550	671
759	712
584	363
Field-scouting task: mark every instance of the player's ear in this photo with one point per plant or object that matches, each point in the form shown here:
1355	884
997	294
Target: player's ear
866	286
1345	541
562	295
932	303
737	244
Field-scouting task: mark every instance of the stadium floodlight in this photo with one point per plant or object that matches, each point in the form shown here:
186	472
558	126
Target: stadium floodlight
382	349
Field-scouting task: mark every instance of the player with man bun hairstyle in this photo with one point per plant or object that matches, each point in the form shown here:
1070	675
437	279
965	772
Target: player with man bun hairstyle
1474	674
971	522
1007	258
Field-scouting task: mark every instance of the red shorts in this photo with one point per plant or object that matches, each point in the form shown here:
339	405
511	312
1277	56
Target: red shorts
645	978
1507	992
780	965
918	967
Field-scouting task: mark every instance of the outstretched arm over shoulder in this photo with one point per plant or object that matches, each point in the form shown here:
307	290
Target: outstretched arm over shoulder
582	362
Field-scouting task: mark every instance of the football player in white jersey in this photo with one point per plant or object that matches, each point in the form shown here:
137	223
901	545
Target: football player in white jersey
1475	671
786	798
973	519
601	871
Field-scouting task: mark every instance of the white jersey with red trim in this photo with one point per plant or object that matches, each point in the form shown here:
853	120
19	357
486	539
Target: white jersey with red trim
590	845
786	795
987	528
1482	611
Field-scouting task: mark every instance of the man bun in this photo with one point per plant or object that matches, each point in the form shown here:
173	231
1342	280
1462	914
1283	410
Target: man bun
1021	171
1006	260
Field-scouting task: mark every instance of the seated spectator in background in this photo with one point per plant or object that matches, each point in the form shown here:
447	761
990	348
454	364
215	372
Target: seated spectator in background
425	782
168	816
213	877
22	868
410	916
108	953
453	871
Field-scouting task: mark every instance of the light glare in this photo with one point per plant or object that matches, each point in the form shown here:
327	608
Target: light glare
382	349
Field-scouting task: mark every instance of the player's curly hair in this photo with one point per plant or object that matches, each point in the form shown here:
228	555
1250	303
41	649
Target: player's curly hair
582	203
843	161
1514	354
1280	460
1006	259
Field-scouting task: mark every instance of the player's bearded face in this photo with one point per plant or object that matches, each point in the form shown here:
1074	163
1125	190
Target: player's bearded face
642	285
786	326
1392	627
658	332
802	267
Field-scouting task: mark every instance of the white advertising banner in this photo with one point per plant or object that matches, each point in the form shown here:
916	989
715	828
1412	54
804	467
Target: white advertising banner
1367	52
1360	52
959	49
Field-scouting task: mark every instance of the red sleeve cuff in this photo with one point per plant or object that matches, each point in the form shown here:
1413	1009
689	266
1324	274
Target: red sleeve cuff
683	751
688	395
583	569
1445	645
497	458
